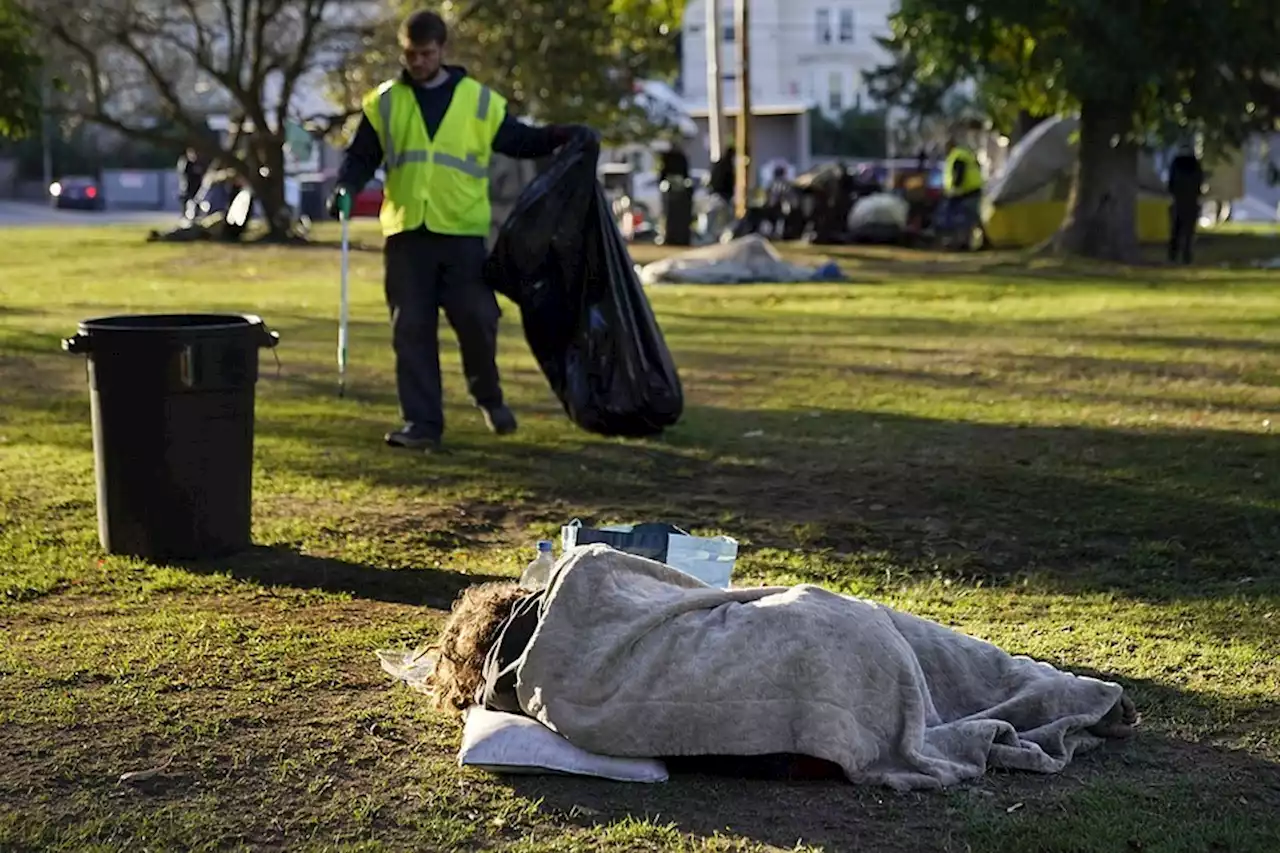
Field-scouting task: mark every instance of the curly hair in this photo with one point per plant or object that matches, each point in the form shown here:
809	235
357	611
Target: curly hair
465	641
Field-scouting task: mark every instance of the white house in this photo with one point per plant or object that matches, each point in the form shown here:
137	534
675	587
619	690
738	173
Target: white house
804	53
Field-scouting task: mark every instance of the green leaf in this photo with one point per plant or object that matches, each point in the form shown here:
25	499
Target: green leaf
561	61
20	73
1184	64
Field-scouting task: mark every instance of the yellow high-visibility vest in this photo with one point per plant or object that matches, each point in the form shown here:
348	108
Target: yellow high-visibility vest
440	182
972	173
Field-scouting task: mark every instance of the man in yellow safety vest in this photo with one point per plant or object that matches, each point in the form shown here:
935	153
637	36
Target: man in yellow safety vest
961	190
434	129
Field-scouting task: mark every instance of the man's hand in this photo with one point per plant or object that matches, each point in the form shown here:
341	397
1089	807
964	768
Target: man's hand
340	203
560	134
565	133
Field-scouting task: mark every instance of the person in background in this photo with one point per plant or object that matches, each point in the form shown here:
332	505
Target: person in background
777	195
191	173
723	176
435	129
673	163
677	195
1186	180
721	182
961	190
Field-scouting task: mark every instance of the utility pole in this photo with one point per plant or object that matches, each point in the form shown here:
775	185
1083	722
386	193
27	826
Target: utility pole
890	147
715	84
742	180
46	129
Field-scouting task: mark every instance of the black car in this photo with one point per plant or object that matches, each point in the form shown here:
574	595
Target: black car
76	193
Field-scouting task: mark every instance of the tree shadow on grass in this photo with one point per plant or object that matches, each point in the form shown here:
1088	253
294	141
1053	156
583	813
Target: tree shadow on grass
1189	510
1151	512
837	816
1147	512
275	566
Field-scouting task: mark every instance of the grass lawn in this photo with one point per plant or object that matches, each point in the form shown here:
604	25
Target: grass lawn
1078	464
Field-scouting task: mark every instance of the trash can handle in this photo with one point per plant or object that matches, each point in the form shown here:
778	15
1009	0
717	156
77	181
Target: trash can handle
76	344
266	337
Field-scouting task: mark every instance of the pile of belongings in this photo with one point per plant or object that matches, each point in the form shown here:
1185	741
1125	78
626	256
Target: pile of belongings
746	260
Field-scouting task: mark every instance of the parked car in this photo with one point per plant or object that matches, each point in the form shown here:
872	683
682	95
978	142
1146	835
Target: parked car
368	202
76	192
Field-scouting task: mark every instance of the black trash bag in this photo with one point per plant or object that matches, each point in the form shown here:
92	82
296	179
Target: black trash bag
561	258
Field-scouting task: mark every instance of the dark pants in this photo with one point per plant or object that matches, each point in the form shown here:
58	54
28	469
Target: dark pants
424	273
1182	231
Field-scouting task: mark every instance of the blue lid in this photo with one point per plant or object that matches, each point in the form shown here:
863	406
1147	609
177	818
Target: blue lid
544	545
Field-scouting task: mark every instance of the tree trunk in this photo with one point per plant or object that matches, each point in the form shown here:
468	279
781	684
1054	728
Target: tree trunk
1101	218
279	215
268	152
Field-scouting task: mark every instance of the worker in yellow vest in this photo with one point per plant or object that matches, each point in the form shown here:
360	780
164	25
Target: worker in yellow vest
433	129
962	192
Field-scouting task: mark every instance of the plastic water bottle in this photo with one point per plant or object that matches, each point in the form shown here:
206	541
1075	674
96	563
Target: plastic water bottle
538	572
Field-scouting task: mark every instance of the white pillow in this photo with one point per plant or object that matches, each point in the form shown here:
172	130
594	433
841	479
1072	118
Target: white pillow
514	744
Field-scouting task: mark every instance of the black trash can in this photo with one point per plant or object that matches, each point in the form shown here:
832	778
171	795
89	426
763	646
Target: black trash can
172	399
677	212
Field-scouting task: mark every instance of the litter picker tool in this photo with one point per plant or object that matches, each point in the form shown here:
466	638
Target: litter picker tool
344	216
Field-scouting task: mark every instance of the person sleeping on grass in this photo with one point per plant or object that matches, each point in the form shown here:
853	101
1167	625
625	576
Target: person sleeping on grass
625	656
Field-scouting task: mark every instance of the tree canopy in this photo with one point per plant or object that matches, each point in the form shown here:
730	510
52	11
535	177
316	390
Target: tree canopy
562	61
20	69
159	71
1136	73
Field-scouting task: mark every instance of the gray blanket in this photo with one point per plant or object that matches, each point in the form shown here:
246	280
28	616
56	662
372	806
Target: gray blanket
633	658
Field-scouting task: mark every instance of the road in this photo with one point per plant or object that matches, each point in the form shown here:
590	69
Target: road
24	213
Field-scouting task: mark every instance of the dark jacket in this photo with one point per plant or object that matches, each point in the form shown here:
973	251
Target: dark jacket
514	139
191	174
1185	179
723	175
673	164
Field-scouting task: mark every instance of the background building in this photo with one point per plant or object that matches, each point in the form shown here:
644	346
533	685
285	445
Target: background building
804	54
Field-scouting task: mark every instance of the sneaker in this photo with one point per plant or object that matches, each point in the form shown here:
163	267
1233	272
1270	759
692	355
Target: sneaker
500	420
412	440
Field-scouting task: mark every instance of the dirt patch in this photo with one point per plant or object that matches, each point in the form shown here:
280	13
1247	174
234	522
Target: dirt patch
457	525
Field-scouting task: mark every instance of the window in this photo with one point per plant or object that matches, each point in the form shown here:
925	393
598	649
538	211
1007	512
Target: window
729	33
824	26
727	21
835	92
846	26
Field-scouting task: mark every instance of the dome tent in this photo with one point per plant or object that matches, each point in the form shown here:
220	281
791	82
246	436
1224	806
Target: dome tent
1026	203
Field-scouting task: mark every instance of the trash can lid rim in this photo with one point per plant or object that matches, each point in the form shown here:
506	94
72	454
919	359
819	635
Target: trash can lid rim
170	322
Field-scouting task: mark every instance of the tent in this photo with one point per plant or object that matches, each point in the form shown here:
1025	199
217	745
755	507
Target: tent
665	109
1027	201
